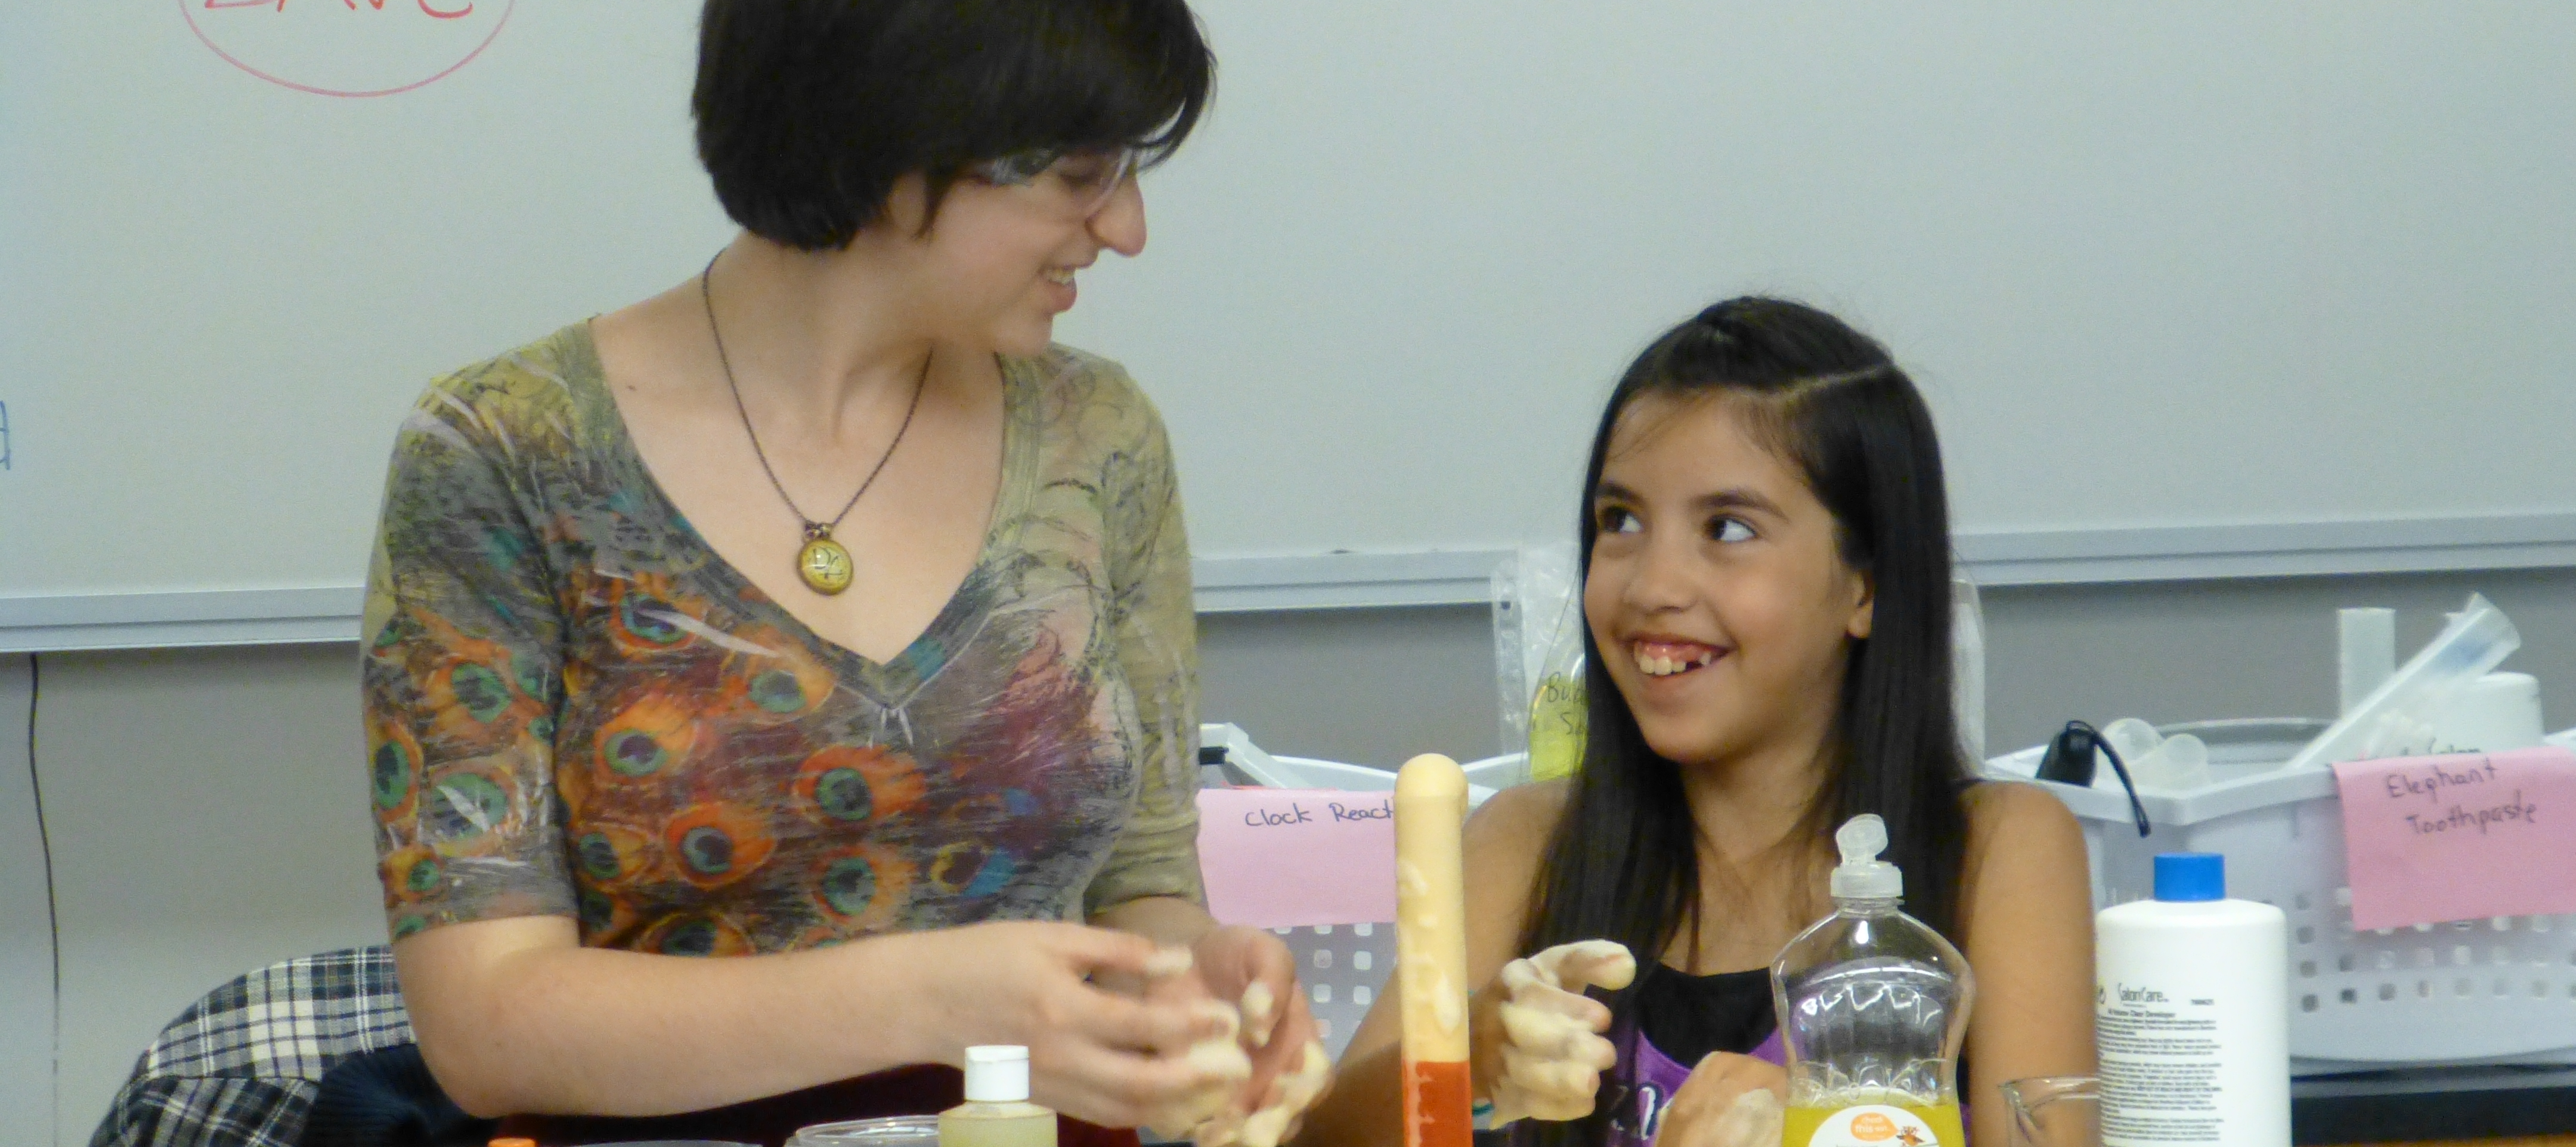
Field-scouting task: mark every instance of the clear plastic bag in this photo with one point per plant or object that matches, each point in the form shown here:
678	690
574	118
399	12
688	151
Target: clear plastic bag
1968	665
1538	659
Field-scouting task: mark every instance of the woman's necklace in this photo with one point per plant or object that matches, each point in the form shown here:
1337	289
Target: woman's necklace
823	563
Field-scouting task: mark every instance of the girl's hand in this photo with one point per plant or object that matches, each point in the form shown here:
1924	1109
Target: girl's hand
1095	1055
1551	1052
1729	1101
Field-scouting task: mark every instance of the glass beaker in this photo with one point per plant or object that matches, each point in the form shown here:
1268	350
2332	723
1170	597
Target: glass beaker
2055	1111
898	1131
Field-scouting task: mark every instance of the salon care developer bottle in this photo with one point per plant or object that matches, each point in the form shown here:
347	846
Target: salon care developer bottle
997	1111
2191	1012
1872	1005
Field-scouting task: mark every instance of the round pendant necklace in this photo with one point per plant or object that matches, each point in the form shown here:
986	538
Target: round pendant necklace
823	563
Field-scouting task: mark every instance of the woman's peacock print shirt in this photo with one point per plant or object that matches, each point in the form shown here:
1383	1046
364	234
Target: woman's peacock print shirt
575	707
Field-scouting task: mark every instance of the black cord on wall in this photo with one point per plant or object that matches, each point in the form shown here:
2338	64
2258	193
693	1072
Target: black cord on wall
45	843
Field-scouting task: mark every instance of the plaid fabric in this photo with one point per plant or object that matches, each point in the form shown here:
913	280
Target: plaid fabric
242	1066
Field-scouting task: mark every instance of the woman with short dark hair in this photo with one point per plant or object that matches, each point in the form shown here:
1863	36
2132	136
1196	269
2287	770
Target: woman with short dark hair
818	611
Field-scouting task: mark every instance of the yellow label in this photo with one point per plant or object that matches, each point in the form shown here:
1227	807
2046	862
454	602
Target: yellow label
1556	728
1874	1125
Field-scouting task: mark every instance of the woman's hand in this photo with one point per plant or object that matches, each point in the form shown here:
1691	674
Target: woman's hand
1231	961
1095	1055
1729	1101
1273	1051
1545	1035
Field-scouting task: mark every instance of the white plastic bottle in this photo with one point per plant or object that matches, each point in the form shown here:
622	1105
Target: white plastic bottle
2191	1012
997	1111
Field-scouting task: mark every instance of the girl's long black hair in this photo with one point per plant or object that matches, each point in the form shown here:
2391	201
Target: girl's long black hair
1622	863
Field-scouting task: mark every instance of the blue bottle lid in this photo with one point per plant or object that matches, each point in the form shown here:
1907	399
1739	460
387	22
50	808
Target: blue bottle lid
2191	876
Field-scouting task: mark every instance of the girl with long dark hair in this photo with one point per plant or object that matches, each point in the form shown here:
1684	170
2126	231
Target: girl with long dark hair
1766	587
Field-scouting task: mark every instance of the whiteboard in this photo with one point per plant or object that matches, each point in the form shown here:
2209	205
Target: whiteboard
222	292
2188	266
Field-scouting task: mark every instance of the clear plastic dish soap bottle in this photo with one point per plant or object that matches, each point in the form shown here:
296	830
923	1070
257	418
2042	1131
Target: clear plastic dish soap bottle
1872	1005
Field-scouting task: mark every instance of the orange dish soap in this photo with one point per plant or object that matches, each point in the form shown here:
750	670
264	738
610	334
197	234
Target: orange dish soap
997	1111
1872	1005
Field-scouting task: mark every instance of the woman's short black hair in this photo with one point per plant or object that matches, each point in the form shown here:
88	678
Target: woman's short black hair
809	110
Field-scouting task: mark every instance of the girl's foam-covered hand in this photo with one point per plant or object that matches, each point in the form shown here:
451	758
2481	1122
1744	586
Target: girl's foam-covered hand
1729	1101
1552	1052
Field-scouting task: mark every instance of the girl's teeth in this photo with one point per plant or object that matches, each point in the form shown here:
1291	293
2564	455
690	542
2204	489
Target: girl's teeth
1656	665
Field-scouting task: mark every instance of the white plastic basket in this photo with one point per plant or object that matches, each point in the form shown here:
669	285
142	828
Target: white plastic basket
2476	991
1343	966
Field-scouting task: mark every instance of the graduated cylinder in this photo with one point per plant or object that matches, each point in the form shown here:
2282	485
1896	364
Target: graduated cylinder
1431	950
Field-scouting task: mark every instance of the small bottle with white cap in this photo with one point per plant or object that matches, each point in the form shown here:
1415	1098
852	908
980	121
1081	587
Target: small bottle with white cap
997	1111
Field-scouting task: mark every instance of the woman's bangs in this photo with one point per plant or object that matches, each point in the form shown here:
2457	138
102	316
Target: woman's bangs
1127	75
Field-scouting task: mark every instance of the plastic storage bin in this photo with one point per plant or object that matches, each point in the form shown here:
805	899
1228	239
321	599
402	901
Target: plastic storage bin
2498	991
1343	966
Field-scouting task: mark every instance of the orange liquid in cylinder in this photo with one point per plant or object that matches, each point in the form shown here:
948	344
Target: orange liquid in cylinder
1438	1105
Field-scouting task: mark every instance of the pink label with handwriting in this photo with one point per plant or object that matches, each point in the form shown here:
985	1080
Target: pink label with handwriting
1283	858
2430	839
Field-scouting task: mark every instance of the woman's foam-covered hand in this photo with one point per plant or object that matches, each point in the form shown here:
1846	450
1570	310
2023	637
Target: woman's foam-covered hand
1258	1037
1095	1055
1552	1051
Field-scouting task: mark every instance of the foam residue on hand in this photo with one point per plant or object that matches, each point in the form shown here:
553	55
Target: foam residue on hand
1220	1064
1755	1119
1291	1095
1207	1116
1218	1059
1167	962
1260	1013
1552	1060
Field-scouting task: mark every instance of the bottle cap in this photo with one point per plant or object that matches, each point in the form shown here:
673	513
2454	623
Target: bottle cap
2191	876
997	1073
1862	875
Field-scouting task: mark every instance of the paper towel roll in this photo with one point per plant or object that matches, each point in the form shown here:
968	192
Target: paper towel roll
2495	713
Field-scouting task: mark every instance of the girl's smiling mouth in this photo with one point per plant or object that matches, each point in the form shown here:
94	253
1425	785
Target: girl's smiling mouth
1657	655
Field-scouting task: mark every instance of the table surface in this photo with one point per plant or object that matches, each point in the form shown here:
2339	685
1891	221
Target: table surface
2486	1106
2517	1141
